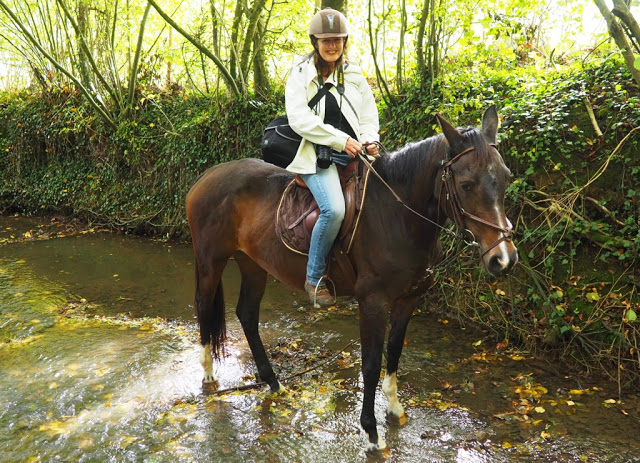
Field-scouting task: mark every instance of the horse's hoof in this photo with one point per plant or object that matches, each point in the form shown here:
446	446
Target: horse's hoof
396	411
395	419
279	389
210	382
380	445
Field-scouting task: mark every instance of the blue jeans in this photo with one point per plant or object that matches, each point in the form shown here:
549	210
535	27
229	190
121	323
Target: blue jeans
326	190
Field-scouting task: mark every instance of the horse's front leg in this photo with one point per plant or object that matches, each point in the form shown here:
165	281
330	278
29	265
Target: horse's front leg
400	316
373	321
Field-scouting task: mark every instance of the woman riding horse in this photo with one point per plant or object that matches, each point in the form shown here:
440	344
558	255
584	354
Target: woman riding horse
339	122
232	214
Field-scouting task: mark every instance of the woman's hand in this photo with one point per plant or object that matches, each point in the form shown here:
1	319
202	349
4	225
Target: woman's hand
372	149
353	147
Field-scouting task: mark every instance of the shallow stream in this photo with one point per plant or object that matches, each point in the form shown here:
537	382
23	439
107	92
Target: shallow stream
99	361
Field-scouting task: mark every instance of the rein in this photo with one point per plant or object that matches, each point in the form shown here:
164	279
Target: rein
448	187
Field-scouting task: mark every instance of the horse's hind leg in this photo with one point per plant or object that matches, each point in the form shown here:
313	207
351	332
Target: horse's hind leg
254	281
210	312
400	315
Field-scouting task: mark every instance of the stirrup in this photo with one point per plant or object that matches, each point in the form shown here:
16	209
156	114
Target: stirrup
317	286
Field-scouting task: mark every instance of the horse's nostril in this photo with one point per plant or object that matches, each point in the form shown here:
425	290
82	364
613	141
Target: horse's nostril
495	263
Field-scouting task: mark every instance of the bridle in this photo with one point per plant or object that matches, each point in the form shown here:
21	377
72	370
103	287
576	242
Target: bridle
450	194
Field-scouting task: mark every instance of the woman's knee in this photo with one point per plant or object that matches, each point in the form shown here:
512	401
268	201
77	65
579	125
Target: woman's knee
335	212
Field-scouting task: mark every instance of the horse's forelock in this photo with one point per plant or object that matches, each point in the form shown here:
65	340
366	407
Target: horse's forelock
474	137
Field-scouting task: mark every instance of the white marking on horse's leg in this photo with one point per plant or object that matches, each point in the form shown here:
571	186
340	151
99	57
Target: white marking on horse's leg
381	445
390	389
281	389
206	359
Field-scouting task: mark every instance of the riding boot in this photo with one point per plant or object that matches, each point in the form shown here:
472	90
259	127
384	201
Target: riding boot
319	294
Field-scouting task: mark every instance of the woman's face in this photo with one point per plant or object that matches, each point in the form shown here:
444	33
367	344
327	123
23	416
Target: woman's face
331	48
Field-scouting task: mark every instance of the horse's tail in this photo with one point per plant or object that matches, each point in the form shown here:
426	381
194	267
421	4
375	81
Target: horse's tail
211	318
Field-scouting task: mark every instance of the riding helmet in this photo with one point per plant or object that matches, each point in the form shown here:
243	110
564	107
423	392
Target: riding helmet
328	23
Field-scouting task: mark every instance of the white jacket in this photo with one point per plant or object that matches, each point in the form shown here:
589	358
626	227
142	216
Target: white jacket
358	108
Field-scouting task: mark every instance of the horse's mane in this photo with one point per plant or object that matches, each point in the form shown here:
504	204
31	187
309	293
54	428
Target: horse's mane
404	166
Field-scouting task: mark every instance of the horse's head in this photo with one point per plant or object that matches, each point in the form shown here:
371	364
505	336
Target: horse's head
474	180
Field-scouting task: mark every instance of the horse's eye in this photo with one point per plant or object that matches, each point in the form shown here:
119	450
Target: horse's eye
466	186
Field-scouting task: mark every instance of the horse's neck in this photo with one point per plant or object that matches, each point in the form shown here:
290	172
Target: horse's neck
416	190
418	208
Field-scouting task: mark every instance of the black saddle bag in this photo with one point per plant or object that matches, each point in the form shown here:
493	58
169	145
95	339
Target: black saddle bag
279	142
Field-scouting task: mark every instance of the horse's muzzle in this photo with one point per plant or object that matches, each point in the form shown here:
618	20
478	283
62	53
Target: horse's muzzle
500	259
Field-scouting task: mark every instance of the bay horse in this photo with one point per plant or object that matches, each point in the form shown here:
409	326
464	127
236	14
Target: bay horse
457	175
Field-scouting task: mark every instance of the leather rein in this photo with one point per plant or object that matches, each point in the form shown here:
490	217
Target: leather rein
448	193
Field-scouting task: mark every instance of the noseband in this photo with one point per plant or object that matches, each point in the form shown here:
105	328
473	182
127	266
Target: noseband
448	192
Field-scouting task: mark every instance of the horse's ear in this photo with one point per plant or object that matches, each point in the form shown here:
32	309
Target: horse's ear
490	123
452	135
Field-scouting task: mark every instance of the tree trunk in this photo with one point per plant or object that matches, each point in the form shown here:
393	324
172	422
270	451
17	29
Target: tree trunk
261	83
251	37
400	57
235	32
621	10
81	32
616	32
340	5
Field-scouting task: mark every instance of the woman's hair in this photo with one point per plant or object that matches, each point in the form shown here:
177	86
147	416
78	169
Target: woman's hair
322	65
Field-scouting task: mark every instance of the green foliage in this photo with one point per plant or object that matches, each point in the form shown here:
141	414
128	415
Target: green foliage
56	158
573	200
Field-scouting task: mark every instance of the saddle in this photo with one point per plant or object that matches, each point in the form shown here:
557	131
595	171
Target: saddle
298	212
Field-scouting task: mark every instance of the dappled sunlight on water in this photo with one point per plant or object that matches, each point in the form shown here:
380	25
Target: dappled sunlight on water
99	361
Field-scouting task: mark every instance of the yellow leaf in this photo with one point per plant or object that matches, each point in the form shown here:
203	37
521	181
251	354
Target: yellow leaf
570	403
477	343
610	401
506	445
576	391
517	357
539	409
545	435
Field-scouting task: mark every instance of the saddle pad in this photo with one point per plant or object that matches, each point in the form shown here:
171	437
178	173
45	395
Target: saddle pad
298	210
